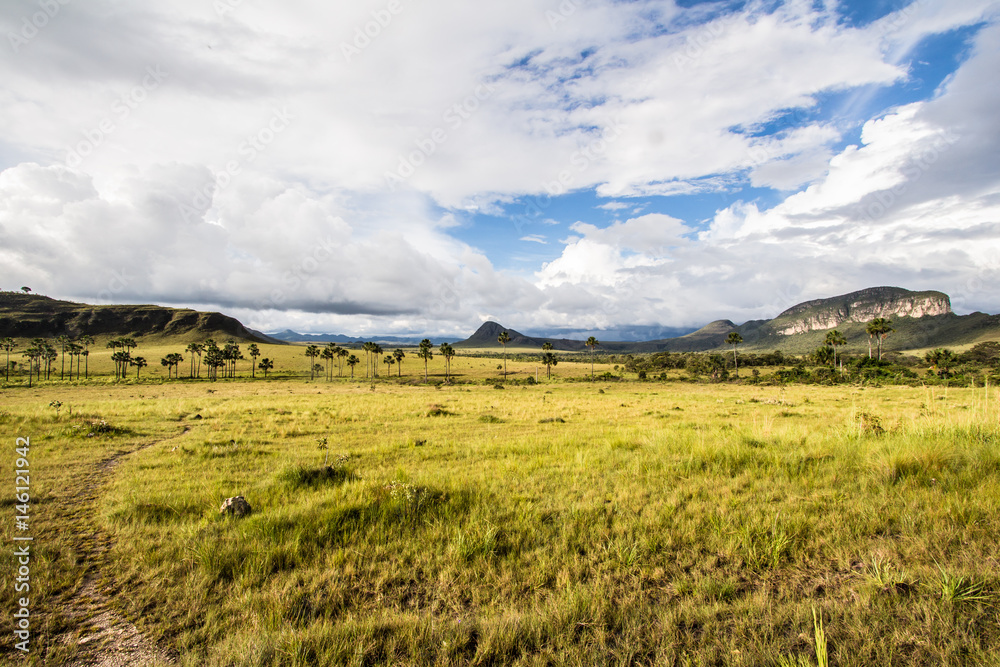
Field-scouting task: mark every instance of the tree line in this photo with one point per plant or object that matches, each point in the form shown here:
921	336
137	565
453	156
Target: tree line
334	355
41	354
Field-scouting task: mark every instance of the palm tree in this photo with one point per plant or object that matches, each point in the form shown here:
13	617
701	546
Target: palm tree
74	351
330	357
177	359
448	352
942	360
122	361
549	360
884	330
367	349
195	349
835	339
265	365
114	344
254	352
399	355
878	328
230	355
139	363
426	353
341	355
171	361
215	360
503	339
592	343
86	340
123	357
353	361
63	341
389	360
376	353
50	355
734	339
327	356
8	345
824	355
31	354
312	352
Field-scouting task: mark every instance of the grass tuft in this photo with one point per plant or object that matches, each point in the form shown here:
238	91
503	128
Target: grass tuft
301	476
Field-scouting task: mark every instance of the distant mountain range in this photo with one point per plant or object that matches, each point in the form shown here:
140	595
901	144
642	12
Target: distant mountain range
920	320
290	336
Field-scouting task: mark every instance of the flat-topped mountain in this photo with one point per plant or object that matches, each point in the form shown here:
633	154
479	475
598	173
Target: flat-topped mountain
862	306
36	316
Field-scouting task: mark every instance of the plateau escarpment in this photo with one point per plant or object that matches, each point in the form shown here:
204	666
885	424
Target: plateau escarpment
859	307
31	316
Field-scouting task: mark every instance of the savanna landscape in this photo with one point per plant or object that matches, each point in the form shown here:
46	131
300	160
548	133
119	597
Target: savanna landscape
478	516
387	333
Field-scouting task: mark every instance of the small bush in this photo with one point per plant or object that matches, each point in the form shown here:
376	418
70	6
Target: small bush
301	476
869	424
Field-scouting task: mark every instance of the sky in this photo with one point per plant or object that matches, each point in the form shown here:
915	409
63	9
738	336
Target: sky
624	168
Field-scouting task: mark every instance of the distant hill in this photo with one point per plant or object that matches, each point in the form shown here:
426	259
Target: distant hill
294	337
486	337
36	316
921	320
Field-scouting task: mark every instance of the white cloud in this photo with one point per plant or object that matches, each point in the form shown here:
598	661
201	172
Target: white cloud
215	181
916	204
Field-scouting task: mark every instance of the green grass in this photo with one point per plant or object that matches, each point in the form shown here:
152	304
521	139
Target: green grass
564	523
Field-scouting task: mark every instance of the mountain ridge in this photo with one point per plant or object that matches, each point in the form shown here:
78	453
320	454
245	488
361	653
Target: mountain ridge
922	319
38	316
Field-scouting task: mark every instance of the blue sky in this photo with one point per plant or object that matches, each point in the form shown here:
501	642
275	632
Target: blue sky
556	165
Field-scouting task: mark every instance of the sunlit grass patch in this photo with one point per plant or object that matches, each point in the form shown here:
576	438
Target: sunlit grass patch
487	537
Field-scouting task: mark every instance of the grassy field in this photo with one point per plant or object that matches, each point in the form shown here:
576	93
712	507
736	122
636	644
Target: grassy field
559	523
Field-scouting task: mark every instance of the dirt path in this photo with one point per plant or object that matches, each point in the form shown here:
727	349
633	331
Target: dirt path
103	637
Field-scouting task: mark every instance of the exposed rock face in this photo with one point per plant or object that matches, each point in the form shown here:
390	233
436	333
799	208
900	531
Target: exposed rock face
236	506
863	306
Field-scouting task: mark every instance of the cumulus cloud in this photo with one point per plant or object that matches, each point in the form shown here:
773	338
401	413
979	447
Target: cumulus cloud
311	164
916	203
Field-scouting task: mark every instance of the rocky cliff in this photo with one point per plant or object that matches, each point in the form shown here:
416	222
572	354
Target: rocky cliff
858	307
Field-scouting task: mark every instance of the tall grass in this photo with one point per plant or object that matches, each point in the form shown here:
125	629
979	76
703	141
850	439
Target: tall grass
653	524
